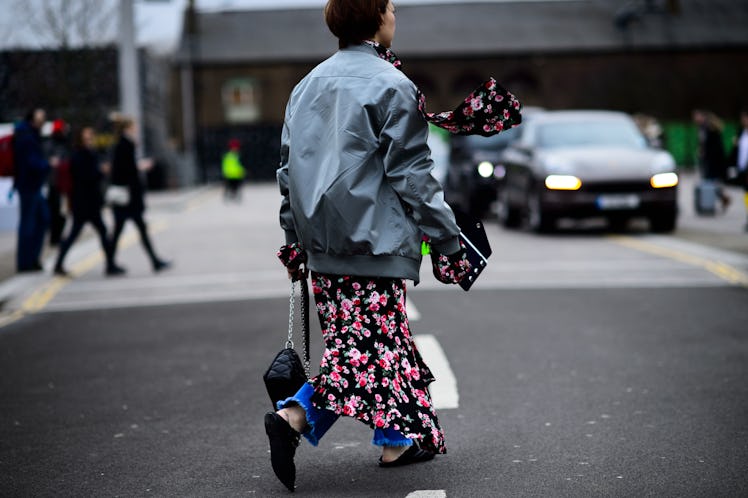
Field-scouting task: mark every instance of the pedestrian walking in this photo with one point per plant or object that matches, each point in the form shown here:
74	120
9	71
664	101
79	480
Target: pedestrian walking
712	160
58	148
31	171
86	199
126	172
741	158
233	171
357	198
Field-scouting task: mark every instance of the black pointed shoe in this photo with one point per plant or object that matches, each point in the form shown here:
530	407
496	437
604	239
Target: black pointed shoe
114	270
60	271
414	454
283	443
161	265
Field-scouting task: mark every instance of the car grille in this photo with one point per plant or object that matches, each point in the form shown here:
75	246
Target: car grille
616	187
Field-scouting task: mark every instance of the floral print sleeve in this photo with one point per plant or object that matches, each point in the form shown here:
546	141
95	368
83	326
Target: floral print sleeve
451	269
292	255
488	110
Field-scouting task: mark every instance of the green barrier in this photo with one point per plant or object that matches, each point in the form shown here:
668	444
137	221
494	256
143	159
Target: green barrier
682	141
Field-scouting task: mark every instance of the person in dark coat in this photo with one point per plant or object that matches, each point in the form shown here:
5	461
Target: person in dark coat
740	152
31	172
125	172
59	148
712	159
86	200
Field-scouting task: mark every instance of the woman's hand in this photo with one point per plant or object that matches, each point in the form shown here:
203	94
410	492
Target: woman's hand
452	268
293	257
299	273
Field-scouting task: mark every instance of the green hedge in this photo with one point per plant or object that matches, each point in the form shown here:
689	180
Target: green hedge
681	140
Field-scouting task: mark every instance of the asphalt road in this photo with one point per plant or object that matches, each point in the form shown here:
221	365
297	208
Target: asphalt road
586	364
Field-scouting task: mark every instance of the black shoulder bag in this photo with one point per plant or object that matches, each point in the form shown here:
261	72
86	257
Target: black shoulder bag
286	374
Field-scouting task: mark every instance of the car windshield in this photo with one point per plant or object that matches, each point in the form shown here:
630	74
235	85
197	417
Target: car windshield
589	133
495	142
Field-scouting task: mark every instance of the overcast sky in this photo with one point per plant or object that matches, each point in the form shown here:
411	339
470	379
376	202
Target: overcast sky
159	22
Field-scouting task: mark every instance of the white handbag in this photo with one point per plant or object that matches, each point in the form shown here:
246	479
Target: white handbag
117	195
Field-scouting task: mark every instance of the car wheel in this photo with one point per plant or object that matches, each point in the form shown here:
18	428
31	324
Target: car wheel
663	223
538	220
509	216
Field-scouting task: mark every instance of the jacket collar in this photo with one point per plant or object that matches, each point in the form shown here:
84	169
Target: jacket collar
362	47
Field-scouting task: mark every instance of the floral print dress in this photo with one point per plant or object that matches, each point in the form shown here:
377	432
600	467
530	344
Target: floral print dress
371	369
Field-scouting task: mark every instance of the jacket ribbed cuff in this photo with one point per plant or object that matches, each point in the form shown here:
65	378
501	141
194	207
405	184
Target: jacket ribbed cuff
448	246
291	237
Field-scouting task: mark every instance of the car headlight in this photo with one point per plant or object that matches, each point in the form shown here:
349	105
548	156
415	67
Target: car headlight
485	169
662	180
563	182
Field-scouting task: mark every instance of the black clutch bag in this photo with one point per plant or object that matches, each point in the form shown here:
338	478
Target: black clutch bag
473	235
286	374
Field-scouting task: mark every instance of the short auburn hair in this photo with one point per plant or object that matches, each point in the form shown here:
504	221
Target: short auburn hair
354	21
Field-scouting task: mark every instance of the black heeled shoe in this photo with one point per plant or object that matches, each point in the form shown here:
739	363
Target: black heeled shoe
160	265
114	270
414	454
283	443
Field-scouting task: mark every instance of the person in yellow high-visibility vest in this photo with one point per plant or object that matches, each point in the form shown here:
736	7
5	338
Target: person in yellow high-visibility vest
233	171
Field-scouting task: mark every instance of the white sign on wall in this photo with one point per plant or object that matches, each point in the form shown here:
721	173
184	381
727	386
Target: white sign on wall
241	100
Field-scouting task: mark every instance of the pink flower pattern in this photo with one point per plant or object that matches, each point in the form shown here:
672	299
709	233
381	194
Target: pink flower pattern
450	269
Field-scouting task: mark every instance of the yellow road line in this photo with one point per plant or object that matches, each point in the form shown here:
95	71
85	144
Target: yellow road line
201	199
722	270
41	297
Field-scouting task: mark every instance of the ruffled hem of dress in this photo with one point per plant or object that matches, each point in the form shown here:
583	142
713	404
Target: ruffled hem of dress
424	439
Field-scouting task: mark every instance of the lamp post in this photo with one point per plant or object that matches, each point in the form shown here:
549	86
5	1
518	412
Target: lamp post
187	84
129	70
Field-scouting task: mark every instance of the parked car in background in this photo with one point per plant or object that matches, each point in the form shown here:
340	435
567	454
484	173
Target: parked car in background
438	142
586	164
475	169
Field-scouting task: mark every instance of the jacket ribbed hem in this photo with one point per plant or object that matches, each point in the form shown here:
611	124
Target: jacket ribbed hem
366	266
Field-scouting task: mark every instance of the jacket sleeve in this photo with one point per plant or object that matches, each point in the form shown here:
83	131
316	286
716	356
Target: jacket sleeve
407	164
286	217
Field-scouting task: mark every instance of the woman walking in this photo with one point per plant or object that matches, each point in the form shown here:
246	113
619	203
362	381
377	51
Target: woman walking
125	172
358	198
86	199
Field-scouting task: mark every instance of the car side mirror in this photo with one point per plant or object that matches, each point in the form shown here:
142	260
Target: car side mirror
522	149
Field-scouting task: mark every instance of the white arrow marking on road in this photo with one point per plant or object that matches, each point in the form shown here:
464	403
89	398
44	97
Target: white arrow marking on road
444	389
428	493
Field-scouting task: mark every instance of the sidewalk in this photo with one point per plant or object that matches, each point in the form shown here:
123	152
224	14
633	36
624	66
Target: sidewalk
13	285
723	231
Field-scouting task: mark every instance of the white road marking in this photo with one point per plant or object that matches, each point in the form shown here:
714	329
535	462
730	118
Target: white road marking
428	493
443	390
411	310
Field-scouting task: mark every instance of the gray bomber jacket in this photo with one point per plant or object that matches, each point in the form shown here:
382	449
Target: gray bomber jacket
355	172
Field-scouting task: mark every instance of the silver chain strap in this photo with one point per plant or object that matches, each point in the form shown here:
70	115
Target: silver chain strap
289	340
305	324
